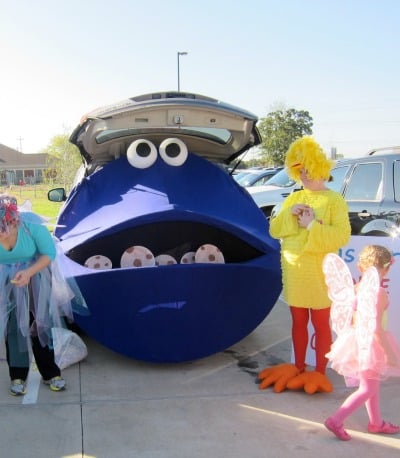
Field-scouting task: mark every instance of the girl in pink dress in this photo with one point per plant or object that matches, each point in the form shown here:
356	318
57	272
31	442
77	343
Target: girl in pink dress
364	352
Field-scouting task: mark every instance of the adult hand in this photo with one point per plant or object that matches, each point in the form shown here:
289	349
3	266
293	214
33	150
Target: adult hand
305	218
21	278
298	209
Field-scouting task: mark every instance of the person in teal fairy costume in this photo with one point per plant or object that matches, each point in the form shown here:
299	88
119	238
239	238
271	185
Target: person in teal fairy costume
34	296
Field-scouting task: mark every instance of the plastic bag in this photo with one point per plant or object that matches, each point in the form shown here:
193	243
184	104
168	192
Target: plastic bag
69	348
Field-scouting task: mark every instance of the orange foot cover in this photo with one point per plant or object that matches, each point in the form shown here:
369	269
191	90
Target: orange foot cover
278	376
312	382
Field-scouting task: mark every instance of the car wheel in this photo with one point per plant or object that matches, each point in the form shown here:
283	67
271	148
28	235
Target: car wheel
376	233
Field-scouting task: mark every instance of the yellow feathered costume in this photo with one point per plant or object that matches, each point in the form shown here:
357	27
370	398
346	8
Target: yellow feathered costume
302	252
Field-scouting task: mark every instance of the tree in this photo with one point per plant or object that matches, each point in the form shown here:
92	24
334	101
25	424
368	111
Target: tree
63	161
279	129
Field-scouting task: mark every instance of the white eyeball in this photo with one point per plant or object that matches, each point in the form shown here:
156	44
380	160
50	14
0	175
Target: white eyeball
141	154
173	151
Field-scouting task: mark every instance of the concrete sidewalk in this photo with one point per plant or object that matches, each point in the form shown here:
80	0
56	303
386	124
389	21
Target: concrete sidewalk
117	407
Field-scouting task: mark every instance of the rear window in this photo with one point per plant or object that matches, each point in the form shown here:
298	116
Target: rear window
338	175
365	183
221	136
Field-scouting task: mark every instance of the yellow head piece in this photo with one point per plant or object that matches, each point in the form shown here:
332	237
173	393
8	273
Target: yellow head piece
305	153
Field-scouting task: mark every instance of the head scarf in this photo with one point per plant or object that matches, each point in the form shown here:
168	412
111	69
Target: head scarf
305	153
9	213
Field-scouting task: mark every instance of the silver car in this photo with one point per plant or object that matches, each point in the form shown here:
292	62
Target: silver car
274	192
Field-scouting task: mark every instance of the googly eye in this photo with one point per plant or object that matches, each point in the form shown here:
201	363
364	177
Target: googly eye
141	154
173	151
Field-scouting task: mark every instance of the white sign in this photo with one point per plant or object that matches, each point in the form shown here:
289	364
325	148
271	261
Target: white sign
349	254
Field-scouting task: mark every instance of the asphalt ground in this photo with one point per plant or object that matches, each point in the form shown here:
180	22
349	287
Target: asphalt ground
116	407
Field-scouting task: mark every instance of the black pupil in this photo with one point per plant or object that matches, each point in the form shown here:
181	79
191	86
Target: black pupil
173	150
143	150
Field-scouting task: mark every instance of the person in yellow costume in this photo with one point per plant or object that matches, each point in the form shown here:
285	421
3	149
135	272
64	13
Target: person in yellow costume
311	223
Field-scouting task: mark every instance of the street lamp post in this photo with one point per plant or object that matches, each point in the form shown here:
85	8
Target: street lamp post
184	53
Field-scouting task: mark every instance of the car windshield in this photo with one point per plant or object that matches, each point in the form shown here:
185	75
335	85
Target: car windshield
248	179
261	180
281	180
239	177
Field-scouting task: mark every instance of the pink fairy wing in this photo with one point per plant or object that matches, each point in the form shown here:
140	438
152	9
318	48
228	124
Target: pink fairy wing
367	296
340	291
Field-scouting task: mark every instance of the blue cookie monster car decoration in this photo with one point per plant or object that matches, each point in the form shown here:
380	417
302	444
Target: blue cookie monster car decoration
173	257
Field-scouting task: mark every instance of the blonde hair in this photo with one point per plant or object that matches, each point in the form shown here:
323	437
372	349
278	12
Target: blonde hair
374	255
305	153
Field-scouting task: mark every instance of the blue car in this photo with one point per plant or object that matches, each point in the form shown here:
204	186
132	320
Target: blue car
173	257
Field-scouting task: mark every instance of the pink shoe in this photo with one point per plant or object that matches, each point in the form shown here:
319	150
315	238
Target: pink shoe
384	428
337	430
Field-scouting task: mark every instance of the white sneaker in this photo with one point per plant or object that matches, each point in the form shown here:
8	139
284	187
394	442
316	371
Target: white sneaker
56	383
17	387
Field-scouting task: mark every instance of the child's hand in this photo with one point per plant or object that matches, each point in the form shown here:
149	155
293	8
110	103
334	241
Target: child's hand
392	361
298	209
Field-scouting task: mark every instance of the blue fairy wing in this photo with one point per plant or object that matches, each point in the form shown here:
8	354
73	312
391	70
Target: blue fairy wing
340	291
30	217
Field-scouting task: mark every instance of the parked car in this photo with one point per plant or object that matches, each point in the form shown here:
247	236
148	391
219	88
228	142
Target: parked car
256	177
172	256
371	187
370	184
274	192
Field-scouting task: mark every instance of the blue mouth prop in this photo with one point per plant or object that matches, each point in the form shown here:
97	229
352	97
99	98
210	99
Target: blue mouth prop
171	312
145	206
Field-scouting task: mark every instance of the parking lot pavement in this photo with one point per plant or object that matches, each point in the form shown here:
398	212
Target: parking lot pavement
117	407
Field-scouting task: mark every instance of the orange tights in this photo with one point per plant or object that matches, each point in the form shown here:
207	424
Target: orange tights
323	336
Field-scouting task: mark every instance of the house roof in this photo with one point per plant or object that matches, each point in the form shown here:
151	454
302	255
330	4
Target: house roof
12	159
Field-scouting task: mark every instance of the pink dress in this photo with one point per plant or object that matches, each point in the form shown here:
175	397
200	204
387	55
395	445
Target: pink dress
358	318
346	359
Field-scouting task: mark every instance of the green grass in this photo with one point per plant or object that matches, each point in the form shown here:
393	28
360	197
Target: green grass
37	194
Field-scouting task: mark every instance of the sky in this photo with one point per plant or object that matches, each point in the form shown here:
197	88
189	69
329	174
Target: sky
338	60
